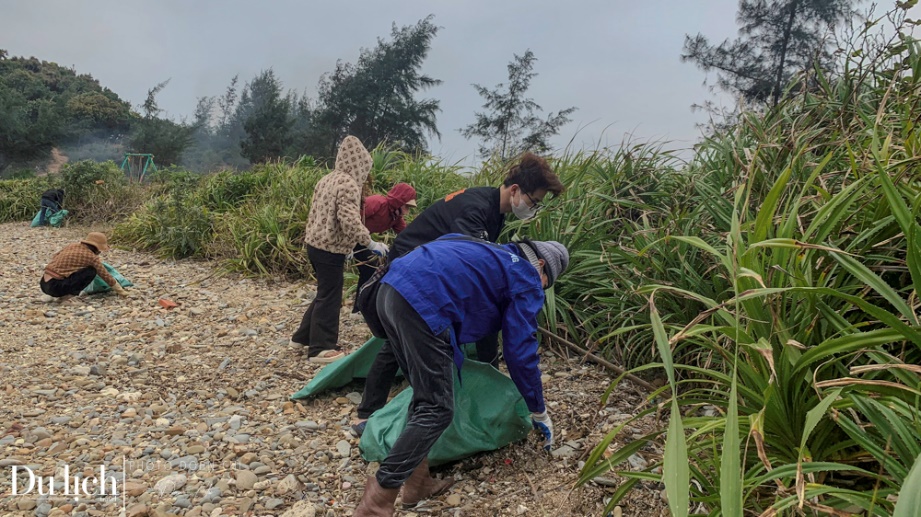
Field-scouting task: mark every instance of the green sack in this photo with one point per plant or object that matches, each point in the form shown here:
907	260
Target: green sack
353	366
489	414
343	371
57	219
99	285
52	217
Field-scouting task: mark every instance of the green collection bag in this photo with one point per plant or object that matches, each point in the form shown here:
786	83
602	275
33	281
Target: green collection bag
98	285
345	370
54	218
351	367
489	414
57	219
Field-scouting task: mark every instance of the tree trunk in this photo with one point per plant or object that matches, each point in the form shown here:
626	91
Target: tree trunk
504	130
787	31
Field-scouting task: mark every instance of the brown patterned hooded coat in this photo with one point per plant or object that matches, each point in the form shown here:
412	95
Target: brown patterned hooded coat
334	223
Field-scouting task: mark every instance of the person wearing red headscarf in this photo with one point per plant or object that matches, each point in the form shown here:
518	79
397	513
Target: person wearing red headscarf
382	213
385	212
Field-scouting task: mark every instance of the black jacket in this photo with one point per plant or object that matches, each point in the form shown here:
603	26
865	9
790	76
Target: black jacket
53	198
473	211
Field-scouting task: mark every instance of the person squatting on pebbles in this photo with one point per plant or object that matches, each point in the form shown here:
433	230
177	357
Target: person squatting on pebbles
74	267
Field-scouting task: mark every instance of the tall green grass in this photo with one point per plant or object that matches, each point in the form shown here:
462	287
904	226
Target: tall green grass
20	198
254	221
801	318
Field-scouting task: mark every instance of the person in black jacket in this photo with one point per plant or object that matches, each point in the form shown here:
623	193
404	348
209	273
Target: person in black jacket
478	212
51	202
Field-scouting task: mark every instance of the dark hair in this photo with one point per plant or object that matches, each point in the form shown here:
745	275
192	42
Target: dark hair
533	173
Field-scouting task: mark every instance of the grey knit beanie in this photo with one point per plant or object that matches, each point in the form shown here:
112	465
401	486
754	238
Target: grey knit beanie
555	255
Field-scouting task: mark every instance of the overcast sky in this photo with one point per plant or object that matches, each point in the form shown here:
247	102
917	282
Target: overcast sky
617	61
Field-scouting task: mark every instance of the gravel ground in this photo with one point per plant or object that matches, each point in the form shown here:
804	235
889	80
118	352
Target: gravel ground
192	404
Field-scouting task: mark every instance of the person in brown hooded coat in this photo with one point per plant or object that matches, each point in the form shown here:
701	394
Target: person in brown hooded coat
334	227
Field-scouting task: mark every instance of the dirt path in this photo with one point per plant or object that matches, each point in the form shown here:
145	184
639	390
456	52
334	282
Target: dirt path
193	403
56	160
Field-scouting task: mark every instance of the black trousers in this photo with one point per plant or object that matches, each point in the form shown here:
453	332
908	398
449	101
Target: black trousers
368	263
71	285
428	362
319	329
384	369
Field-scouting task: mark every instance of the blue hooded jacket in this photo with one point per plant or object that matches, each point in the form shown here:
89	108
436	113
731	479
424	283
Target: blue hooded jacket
477	288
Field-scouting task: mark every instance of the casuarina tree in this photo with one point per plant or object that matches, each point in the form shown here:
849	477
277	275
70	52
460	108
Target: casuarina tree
268	124
162	137
374	99
512	122
777	39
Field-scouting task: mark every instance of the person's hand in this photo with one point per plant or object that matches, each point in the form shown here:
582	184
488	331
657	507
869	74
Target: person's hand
542	422
122	292
379	248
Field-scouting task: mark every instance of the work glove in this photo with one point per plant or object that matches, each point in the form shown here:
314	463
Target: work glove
542	422
378	248
122	292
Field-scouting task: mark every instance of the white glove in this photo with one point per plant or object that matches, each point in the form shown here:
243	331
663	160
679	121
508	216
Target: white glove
379	248
542	422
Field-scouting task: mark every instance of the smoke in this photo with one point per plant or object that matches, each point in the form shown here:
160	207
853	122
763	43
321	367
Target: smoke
96	149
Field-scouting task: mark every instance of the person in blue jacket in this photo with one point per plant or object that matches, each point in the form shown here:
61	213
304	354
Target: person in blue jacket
478	212
453	290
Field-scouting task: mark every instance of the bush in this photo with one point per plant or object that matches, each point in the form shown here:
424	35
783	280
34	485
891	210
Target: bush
264	234
22	174
172	178
227	189
172	226
97	192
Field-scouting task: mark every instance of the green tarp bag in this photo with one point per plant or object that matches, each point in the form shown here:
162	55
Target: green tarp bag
57	219
489	414
351	367
54	218
343	371
98	285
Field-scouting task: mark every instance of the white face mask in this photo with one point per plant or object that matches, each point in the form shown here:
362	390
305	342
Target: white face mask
522	210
